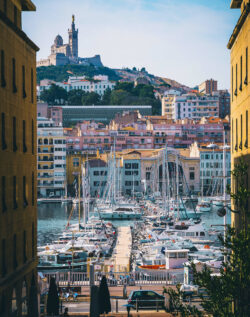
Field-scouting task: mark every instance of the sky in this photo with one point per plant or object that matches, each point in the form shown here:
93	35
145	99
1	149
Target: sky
184	40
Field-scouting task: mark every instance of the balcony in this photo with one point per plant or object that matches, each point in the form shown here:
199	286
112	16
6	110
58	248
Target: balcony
45	151
50	159
45	167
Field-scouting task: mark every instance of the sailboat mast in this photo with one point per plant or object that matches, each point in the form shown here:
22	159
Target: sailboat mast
168	184
164	181
79	201
83	198
177	186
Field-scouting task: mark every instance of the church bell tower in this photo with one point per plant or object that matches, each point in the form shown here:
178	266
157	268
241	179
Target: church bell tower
73	39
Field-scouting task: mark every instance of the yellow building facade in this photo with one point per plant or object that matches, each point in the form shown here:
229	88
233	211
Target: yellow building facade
239	44
74	163
18	213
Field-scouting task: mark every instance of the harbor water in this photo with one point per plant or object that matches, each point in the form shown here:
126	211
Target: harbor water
53	218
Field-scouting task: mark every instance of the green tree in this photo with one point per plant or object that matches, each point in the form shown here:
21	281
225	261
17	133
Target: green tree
106	97
176	305
119	97
228	294
62	73
75	96
126	86
143	90
91	98
54	95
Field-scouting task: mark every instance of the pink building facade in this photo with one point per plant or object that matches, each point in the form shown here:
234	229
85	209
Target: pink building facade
145	134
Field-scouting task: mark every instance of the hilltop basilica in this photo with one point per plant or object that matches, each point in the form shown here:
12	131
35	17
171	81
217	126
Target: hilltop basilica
62	54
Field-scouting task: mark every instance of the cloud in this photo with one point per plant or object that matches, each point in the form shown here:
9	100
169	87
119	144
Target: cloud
175	39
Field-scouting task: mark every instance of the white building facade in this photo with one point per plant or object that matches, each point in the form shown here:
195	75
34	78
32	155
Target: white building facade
51	159
192	106
99	84
211	167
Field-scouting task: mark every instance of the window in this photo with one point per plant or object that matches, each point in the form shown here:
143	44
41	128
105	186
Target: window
96	173
246	78
24	137
172	255
75	162
182	255
4	145
240	73
32	136
246	142
236	145
23	76
232	135
127	165
3	192
236	80
14	134
127	172
240	145
3	81
32	85
14	193
25	202
24	247
147	176
14	252
191	175
33	240
32	189
14	88
4	268
135	165
96	184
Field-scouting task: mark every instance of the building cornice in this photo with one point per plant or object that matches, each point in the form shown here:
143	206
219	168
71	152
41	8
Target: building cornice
238	26
18	31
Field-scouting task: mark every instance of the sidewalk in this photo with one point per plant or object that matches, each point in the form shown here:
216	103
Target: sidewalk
132	314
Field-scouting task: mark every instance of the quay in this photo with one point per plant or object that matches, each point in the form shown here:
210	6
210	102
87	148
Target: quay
122	250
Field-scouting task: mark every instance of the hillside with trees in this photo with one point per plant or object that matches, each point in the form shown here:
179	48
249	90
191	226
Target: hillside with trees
62	73
123	94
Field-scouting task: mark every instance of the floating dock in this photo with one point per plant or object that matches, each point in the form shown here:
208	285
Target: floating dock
122	251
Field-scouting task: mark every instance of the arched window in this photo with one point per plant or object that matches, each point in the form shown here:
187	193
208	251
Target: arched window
45	141
14	301
24	299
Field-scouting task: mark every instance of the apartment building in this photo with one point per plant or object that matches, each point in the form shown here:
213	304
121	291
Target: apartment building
211	167
51	159
99	84
208	86
239	44
18	211
147	132
191	105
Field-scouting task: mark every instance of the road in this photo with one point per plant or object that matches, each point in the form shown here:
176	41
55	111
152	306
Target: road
83	307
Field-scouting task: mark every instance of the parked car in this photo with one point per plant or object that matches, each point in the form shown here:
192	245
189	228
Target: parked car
188	291
146	298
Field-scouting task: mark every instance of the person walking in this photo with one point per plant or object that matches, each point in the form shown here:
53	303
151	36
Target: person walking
66	312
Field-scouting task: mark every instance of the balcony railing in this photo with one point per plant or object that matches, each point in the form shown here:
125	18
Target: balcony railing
46	160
